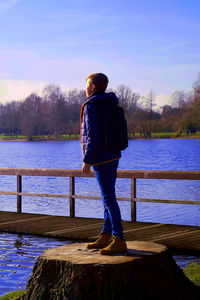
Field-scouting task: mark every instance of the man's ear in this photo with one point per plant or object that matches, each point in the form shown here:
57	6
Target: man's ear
93	87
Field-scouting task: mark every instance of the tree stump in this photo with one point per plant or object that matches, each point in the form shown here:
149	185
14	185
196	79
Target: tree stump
72	272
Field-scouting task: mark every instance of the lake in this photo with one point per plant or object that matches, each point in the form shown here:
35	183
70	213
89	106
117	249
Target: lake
165	154
18	252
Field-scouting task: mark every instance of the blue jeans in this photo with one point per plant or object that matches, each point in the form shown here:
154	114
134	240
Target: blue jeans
106	176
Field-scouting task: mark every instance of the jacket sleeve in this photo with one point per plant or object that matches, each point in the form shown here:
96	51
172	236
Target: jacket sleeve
92	132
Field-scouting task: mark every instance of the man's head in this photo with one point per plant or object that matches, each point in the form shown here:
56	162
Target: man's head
96	82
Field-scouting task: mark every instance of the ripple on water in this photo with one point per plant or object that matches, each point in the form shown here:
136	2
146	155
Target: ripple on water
18	254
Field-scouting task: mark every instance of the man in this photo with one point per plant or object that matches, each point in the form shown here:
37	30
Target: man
105	163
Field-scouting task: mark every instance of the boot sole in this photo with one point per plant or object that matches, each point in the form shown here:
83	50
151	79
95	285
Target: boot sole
97	248
119	252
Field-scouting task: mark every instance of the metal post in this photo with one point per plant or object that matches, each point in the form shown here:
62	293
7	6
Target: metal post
133	202
19	190
71	199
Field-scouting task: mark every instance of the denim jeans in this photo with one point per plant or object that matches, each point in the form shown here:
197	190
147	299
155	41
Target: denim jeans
106	177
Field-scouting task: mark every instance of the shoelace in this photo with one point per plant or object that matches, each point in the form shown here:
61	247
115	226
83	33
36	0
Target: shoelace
99	237
112	242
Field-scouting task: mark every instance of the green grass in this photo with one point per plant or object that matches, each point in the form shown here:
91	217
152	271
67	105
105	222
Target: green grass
13	137
193	273
65	137
165	135
12	295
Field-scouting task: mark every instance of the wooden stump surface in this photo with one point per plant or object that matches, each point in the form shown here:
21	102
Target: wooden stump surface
72	272
78	253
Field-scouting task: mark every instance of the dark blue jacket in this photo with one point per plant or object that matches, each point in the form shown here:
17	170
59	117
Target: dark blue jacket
91	130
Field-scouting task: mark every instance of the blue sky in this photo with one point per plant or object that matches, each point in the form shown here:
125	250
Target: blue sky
143	44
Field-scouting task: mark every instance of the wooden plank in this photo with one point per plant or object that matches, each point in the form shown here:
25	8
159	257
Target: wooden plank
75	228
24	220
143	174
143	228
132	174
19	190
59	196
170	201
173	235
71	198
133	202
180	237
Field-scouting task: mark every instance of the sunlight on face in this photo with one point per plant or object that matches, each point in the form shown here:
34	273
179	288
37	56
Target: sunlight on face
90	88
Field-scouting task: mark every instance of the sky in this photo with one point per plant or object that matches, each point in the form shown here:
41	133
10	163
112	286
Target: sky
146	44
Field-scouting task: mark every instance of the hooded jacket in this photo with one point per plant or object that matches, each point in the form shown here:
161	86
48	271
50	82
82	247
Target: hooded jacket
92	148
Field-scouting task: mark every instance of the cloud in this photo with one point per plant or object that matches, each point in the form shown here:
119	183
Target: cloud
16	90
7	4
3	91
161	100
26	71
11	89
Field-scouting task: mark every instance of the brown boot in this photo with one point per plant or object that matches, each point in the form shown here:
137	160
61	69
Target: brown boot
116	246
102	241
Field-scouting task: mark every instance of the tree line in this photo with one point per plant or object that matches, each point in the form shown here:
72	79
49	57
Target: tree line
57	113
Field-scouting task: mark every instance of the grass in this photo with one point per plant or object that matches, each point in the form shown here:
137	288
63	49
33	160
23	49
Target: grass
163	134
193	273
166	135
66	137
12	295
12	137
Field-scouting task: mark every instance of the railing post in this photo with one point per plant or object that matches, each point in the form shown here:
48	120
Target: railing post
71	199
133	202
19	190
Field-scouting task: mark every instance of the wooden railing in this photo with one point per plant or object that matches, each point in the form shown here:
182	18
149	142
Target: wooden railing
72	174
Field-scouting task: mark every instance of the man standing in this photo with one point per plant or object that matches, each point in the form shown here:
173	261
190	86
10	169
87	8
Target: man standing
105	163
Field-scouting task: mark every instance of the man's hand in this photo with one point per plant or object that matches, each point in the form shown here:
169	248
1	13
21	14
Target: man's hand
85	168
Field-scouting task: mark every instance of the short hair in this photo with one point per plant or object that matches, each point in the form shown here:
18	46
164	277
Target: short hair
99	80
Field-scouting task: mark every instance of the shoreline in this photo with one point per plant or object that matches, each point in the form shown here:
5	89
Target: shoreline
153	137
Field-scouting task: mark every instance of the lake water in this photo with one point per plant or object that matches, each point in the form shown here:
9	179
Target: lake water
18	253
158	154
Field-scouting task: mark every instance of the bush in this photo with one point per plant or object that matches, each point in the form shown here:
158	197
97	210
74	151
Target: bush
12	295
193	273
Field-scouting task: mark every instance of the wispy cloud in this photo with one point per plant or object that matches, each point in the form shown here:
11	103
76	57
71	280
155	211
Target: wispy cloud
7	4
86	39
176	45
73	20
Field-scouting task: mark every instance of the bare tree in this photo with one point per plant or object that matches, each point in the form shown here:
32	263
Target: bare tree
178	101
124	95
9	118
149	102
75	100
57	109
31	116
196	86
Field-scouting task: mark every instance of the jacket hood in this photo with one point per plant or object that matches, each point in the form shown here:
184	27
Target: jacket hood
108	98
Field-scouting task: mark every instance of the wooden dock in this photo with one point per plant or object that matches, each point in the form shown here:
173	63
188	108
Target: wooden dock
175	237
